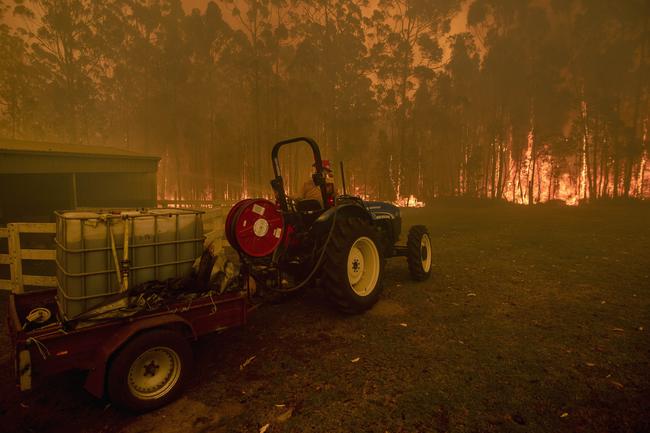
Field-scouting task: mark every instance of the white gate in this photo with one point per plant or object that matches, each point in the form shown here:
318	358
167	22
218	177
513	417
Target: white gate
17	254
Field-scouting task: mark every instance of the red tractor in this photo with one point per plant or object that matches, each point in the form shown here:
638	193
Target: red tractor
339	243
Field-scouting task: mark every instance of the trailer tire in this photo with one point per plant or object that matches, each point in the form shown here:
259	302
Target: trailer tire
353	267
150	370
419	253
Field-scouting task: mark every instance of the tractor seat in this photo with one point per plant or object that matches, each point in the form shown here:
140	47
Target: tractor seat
308	205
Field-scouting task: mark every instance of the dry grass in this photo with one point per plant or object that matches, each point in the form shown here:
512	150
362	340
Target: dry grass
536	320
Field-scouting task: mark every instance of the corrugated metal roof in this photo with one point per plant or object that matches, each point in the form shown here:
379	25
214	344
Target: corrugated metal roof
43	147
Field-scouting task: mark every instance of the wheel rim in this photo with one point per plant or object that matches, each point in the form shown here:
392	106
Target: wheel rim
363	266
154	373
425	252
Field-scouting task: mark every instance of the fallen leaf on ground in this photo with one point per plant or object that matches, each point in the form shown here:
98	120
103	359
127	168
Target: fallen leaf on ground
248	361
618	329
471	294
264	428
618	385
518	419
564	415
285	415
355	360
590	364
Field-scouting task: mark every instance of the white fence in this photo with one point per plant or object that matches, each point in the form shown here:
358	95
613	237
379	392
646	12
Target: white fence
18	280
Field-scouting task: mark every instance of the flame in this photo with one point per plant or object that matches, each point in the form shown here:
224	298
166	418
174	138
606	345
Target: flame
526	169
571	186
582	192
358	192
410	201
567	191
644	160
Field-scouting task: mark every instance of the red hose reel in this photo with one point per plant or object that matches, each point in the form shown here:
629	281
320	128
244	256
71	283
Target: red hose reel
255	227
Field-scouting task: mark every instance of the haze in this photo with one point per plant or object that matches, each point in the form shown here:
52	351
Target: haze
524	101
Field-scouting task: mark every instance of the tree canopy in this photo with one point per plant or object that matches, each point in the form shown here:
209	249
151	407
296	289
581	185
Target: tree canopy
528	101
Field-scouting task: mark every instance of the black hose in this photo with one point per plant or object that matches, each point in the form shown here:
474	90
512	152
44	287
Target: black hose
318	262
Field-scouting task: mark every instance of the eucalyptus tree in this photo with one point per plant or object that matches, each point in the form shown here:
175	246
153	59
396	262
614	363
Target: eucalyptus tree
209	40
522	70
328	78
63	37
17	84
253	24
610	46
535	92
404	40
134	77
460	101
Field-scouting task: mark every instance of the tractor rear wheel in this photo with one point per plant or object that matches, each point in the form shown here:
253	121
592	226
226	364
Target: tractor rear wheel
419	253
353	266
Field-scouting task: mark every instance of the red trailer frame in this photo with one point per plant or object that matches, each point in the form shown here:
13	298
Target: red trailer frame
53	348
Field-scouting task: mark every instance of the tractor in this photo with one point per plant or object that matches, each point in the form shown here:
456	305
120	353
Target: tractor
338	244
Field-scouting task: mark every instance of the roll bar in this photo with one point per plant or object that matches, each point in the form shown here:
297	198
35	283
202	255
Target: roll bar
278	183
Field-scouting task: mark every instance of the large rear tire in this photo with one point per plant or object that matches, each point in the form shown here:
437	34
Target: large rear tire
353	266
419	253
150	370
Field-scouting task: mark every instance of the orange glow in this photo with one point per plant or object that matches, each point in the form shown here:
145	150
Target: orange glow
410	201
640	187
567	190
582	193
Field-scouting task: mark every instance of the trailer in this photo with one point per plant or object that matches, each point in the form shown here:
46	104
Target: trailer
134	288
140	362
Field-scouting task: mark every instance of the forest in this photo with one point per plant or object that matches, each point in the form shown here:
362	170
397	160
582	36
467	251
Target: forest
527	101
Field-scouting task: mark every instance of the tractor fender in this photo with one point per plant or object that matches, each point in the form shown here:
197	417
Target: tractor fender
96	379
323	223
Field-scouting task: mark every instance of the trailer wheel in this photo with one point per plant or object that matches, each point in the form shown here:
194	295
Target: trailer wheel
419	253
353	266
150	370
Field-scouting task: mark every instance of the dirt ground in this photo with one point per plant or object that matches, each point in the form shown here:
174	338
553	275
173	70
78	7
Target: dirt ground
535	320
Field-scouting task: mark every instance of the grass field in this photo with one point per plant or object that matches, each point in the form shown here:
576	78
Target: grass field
535	320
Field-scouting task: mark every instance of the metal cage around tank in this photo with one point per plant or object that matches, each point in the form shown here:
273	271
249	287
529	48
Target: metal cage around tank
90	253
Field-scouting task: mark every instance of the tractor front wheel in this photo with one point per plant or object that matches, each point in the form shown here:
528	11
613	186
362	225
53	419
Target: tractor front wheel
419	253
353	265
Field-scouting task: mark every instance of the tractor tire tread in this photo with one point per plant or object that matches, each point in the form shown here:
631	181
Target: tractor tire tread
334	275
413	256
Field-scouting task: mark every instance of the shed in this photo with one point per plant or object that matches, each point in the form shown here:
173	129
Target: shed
37	178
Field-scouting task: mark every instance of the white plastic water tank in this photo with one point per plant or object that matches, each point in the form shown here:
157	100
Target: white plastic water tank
163	243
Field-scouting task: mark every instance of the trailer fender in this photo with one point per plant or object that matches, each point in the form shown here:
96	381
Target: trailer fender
96	379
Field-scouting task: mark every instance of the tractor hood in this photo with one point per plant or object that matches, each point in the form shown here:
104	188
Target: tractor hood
382	210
